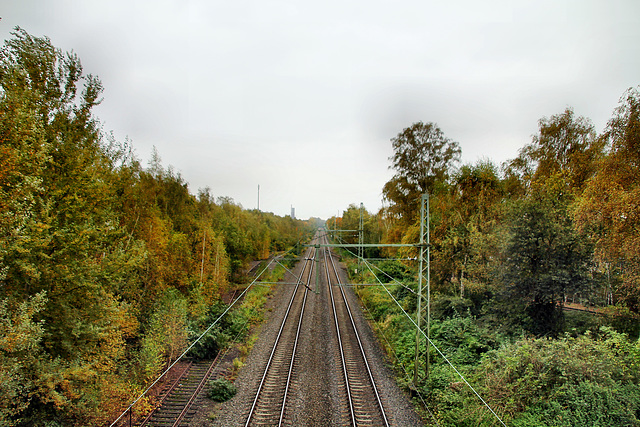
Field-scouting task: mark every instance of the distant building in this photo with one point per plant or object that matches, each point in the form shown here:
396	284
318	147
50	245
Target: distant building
293	212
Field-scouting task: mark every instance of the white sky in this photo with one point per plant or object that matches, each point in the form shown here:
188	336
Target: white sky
302	98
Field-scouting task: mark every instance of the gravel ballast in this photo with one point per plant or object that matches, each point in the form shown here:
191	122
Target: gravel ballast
315	395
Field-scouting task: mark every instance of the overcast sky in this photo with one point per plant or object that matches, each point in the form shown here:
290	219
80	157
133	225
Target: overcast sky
303	97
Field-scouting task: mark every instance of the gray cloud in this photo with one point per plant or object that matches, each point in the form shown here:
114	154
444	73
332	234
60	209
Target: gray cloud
247	93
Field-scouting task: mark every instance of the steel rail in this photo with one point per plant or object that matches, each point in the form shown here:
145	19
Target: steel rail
188	387
196	392
344	364
359	341
130	408
295	344
166	395
277	342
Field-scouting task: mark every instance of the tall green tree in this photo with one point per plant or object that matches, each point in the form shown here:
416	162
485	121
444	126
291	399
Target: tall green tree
104	265
422	158
372	232
565	145
20	356
465	243
608	209
545	260
65	243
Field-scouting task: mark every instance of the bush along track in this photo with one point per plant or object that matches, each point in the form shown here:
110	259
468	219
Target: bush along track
579	379
244	323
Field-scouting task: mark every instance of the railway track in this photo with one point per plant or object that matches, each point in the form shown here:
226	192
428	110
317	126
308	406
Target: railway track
177	407
270	403
332	365
362	405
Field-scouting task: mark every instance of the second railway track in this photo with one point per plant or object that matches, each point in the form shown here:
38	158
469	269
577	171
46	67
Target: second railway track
359	390
270	403
177	407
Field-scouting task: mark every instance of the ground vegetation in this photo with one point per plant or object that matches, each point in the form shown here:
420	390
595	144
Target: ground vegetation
515	250
108	268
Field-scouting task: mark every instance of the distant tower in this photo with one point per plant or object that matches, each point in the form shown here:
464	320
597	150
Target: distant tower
293	212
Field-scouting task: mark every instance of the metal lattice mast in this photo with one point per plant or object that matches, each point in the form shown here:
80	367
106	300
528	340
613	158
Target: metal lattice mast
423	279
361	235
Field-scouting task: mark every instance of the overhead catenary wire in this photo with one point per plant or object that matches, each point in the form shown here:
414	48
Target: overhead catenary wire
383	272
368	264
382	333
407	374
437	349
130	407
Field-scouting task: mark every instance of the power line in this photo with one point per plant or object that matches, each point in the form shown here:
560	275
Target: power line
407	374
368	264
196	341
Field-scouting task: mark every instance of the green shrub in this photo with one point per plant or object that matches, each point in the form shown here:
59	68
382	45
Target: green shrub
579	322
462	339
585	404
395	270
449	306
221	390
588	380
622	320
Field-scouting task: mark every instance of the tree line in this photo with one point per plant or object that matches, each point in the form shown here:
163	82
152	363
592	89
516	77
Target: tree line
512	246
558	223
107	268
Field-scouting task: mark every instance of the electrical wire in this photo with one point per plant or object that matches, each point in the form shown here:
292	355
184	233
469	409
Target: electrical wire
407	374
368	264
383	272
197	340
